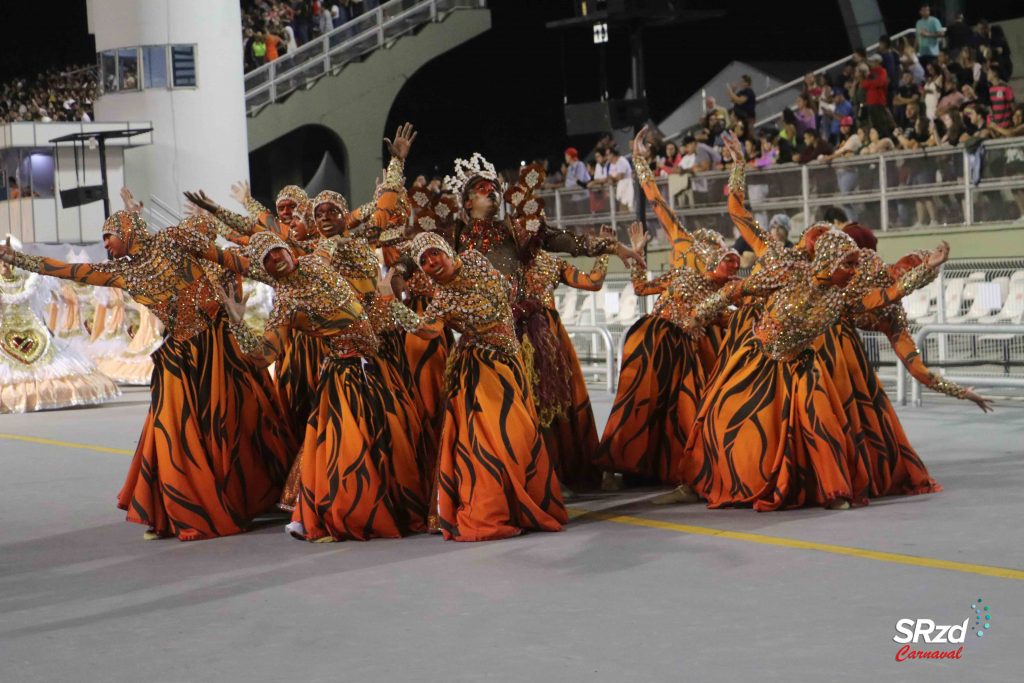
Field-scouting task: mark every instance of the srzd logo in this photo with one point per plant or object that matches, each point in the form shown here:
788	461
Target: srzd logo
914	631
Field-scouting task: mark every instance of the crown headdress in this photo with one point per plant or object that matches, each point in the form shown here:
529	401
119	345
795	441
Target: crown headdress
465	171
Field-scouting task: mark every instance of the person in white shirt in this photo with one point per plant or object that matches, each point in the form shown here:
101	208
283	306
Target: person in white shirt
621	173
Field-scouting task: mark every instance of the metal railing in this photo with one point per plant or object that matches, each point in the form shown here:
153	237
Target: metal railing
1003	333
890	191
355	39
610	369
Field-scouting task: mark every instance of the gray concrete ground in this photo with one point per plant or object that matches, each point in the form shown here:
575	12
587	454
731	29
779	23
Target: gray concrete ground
83	598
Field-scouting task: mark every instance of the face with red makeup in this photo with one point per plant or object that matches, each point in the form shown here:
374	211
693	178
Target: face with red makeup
482	199
726	268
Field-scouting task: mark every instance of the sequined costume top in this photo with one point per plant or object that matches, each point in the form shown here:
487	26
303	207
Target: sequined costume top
474	303
678	236
681	291
159	271
547	271
494	239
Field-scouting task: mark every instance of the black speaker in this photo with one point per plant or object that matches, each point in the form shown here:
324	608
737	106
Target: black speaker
601	117
77	196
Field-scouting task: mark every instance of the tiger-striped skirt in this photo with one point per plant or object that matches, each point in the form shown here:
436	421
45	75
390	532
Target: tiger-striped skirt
883	454
772	434
495	477
660	385
359	475
297	376
215	447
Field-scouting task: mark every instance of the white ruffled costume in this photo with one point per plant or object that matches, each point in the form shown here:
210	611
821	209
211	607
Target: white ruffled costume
38	371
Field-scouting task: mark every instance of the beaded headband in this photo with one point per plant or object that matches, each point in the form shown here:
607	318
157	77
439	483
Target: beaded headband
330	197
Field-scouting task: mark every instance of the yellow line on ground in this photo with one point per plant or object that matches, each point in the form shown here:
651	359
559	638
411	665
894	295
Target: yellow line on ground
879	556
65	444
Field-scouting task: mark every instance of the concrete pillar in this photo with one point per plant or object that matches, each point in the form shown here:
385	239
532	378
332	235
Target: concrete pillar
199	134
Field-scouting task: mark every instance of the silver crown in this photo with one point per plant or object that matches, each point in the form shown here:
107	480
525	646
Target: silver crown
476	167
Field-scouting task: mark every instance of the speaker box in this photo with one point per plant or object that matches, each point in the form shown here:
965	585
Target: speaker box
77	196
601	117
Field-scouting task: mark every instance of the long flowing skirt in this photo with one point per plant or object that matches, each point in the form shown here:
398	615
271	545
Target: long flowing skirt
571	437
772	434
660	385
360	478
426	360
215	447
882	450
495	477
297	376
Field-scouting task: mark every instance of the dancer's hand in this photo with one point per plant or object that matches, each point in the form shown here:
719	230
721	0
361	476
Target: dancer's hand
640	148
627	255
984	404
638	237
732	144
403	141
384	287
128	199
241	192
202	201
193	210
233	305
939	255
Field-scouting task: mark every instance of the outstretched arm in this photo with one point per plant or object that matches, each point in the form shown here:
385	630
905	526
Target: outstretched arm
426	326
678	235
95	274
752	233
577	279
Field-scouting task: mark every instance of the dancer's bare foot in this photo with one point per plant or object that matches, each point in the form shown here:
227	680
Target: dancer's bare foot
681	494
839	504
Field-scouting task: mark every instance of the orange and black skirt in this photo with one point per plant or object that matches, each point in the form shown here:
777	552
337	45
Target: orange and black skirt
882	452
215	448
660	385
495	479
359	476
426	360
297	376
771	434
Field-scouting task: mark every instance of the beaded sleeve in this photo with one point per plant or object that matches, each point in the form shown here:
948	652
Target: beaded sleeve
592	281
235	221
678	235
754	235
248	342
644	287
27	262
255	209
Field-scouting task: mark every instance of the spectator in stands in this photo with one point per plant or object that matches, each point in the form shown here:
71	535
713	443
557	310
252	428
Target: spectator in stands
712	107
929	30
967	69
576	174
778	227
768	154
620	172
705	157
906	94
276	46
805	118
890	62
598	195
876	97
13	192
1015	129
976	125
861	234
1000	96
670	160
850	141
933	88
744	100
912	64
876	144
257	53
787	133
814	147
843	109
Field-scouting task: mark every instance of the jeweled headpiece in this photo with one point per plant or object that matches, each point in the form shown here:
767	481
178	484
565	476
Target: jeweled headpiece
468	171
127	226
428	240
830	249
293	193
709	247
330	197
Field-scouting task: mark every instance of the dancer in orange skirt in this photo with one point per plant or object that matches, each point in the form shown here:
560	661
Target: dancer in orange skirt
358	476
215	449
882	448
662	377
496	479
560	391
772	430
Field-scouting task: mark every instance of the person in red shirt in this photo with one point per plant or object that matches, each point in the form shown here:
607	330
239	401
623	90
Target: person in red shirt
1001	96
876	98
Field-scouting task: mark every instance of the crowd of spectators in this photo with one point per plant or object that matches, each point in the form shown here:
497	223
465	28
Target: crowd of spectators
271	29
53	95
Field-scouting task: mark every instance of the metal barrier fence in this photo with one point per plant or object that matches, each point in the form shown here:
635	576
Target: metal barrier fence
350	42
891	191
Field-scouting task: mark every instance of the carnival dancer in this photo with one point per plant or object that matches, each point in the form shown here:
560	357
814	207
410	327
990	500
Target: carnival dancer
560	391
772	431
37	371
215	449
663	362
358	475
496	479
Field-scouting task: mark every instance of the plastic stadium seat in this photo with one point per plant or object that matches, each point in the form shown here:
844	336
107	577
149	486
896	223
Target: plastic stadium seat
567	310
954	297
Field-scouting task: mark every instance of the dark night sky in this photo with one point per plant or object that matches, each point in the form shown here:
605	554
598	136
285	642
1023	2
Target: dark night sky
507	86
